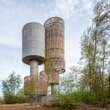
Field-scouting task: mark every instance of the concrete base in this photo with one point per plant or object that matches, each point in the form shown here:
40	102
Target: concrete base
49	99
44	99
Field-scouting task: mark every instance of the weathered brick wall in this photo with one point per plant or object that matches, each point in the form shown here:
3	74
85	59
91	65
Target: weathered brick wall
41	84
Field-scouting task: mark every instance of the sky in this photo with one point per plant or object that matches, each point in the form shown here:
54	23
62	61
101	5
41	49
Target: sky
77	15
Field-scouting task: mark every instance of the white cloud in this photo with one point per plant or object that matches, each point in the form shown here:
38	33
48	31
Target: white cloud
67	8
7	2
64	7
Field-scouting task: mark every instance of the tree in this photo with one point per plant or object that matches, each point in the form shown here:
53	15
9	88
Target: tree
11	87
70	82
95	51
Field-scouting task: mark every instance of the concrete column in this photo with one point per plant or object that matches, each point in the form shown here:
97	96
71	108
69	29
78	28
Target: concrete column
34	76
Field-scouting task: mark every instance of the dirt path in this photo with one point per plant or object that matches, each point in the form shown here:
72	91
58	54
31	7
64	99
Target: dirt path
39	106
26	107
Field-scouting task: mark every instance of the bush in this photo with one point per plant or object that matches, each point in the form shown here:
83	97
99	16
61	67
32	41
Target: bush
14	99
71	98
2	101
76	97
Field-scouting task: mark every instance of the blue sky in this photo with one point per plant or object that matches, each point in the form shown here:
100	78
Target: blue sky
14	14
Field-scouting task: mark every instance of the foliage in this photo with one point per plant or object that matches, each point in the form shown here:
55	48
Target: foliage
2	101
11	85
11	90
20	96
76	97
95	53
70	81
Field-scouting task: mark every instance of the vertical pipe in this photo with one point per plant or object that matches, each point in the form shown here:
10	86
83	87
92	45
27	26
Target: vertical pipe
54	90
34	76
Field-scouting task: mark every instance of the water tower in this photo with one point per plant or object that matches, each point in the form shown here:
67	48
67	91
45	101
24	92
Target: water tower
33	50
54	50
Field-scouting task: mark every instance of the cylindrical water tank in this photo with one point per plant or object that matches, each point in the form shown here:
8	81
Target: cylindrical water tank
33	43
28	87
42	85
54	45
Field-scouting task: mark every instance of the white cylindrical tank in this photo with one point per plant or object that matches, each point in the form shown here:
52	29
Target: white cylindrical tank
33	43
